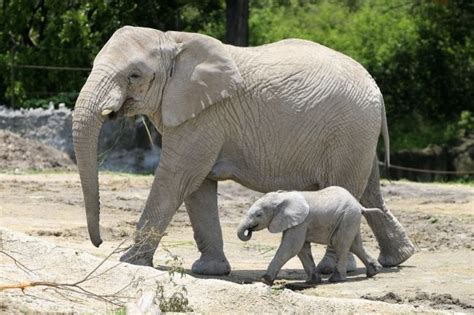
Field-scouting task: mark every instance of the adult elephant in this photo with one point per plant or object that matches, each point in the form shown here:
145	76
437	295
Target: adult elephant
292	115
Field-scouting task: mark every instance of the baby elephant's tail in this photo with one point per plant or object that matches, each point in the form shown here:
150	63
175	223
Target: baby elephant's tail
370	210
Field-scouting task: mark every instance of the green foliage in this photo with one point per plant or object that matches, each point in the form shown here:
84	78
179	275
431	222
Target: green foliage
419	52
119	311
62	97
70	33
465	124
416	132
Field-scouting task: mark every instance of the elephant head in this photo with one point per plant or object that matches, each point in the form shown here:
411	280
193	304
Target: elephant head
171	77
277	211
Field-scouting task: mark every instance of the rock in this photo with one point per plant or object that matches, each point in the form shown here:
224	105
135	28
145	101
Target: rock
462	155
19	154
123	144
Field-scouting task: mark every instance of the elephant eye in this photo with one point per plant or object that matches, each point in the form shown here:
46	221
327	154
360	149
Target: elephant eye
258	215
133	78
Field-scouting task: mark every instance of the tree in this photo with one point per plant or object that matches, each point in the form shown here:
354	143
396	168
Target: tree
237	26
68	34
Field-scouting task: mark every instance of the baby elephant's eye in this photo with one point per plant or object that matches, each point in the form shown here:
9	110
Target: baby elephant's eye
258	215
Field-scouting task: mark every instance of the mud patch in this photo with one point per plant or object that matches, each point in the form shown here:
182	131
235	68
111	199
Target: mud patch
437	301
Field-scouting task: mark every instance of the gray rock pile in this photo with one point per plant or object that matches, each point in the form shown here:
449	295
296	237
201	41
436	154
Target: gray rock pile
123	145
18	154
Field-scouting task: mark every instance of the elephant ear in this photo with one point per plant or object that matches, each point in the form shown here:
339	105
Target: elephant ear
291	211
203	74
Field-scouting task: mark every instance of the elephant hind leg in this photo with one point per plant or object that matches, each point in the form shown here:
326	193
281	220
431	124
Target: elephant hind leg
203	213
328	263
395	246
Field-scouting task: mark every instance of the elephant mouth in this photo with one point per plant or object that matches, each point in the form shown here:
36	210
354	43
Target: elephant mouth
250	229
113	116
245	233
125	110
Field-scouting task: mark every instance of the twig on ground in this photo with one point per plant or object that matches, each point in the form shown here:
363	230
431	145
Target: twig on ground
75	287
72	290
17	263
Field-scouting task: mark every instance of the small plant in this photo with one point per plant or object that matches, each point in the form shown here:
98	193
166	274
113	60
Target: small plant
177	301
433	220
278	287
119	311
174	263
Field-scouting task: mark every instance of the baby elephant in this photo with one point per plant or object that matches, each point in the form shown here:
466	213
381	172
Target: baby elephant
330	216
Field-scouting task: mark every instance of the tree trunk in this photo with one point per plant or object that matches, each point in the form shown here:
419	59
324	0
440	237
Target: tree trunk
237	26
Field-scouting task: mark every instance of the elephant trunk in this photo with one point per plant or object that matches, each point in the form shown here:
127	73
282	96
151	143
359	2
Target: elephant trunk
244	232
87	122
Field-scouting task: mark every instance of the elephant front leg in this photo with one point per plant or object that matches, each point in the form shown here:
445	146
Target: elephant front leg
161	205
187	156
291	244
308	264
203	213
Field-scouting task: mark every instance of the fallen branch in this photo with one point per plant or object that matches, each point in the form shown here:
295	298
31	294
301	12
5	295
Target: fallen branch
74	287
17	263
71	291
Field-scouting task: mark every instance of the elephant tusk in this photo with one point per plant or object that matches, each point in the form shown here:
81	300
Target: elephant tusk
105	112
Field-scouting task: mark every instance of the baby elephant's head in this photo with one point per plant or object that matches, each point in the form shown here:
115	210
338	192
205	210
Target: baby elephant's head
276	211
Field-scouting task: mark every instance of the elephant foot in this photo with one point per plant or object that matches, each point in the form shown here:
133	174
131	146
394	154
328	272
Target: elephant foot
373	268
267	279
136	255
211	266
327	265
315	278
394	256
337	276
395	246
351	263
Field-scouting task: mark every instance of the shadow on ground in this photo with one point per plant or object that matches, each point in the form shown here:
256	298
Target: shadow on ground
297	276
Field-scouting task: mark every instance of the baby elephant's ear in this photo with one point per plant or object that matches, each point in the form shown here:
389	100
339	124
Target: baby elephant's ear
291	211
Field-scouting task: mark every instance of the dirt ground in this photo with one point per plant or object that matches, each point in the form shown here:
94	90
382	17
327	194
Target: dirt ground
43	227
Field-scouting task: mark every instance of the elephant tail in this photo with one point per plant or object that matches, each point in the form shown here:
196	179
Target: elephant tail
366	211
386	139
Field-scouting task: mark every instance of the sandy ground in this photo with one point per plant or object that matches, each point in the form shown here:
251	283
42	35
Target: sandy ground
43	227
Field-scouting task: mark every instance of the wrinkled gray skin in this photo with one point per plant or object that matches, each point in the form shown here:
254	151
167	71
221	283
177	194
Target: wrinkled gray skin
289	115
330	216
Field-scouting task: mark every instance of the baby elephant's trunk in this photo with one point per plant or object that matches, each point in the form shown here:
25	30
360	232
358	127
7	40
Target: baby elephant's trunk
244	232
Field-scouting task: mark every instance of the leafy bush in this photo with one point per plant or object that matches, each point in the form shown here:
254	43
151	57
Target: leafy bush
419	52
70	33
